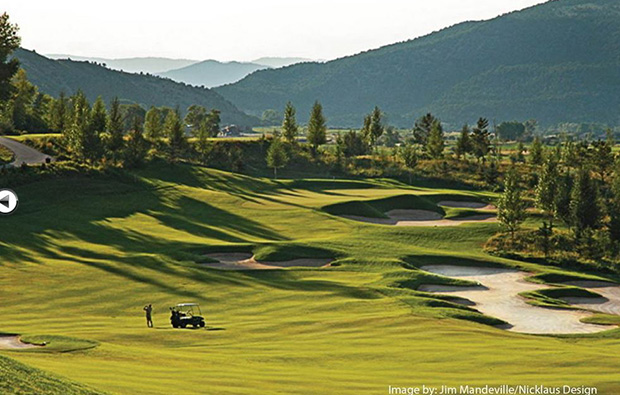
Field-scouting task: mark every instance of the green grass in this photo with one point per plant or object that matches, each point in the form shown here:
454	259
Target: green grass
6	155
85	254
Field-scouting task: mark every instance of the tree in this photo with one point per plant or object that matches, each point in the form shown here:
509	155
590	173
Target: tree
480	139
212	123
511	206
75	134
277	157
510	131
195	116
9	42
547	188
409	156
173	129
376	128
563	198
435	143
602	158
58	114
422	128
22	100
98	116
317	127
114	141
585	204
153	125
463	143
351	144
209	127
136	148
289	125
614	206
536	151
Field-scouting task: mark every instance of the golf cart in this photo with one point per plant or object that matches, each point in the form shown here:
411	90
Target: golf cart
185	314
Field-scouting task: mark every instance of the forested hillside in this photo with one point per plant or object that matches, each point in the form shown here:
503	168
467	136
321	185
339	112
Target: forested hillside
556	62
55	76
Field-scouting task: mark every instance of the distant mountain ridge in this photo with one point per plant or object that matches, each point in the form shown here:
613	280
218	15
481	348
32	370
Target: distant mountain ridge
212	73
151	65
555	62
208	73
55	76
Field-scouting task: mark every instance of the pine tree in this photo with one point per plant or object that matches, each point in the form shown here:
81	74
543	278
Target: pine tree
115	140
289	125
173	129
480	139
463	143
547	188
422	128
277	157
58	115
410	158
585	204
511	206
317	128
376	127
536	151
153	126
98	116
435	143
563	198
136	148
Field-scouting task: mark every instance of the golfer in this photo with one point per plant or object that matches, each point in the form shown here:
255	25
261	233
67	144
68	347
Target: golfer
149	319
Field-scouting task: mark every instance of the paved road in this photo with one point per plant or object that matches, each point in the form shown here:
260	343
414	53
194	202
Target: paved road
23	153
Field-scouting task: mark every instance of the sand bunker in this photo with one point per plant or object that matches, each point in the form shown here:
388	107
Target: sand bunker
13	342
608	304
244	261
460	204
497	296
421	218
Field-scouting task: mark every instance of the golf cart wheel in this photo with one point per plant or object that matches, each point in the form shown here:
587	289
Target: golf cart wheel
202	324
183	325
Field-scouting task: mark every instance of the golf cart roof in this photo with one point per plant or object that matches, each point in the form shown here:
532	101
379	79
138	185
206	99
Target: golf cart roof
187	304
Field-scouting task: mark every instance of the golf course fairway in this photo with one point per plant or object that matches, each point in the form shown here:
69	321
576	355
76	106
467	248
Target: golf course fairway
83	255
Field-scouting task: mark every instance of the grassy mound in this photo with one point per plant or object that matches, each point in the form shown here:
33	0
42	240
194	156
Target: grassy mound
17	378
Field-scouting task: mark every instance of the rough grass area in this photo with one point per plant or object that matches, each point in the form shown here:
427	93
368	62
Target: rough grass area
551	297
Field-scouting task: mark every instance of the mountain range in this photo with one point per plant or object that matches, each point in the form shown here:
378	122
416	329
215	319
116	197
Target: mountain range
207	73
555	62
55	76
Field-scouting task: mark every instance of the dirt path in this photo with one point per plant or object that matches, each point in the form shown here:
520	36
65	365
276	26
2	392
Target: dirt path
13	342
497	296
421	218
23	153
244	261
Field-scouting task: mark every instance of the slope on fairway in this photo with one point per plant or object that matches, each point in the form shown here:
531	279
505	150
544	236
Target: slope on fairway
84	255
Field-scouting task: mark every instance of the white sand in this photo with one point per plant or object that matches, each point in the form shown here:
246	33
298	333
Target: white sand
460	204
497	296
13	342
608	304
242	261
421	218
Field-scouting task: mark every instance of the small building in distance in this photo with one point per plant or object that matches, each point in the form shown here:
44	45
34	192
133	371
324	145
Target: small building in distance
231	131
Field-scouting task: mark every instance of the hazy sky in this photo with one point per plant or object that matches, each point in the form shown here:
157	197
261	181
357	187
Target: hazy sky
236	29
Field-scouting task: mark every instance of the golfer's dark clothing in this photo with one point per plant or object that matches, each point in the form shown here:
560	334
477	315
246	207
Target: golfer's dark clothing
149	320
